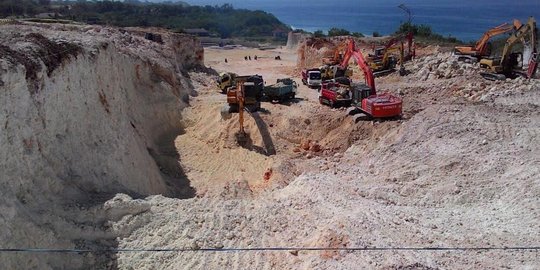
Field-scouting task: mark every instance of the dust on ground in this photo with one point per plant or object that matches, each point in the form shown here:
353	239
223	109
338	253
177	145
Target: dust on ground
460	169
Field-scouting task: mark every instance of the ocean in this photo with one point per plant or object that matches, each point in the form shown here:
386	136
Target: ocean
466	20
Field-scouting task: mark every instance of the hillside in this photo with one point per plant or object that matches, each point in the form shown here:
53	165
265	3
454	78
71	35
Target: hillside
223	21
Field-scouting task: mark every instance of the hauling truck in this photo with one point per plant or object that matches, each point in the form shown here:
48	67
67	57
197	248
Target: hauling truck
335	94
282	90
311	77
229	79
252	93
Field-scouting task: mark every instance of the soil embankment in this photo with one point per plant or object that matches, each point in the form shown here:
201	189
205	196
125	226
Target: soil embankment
87	112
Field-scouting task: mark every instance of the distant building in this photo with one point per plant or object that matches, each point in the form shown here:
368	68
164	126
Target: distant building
200	32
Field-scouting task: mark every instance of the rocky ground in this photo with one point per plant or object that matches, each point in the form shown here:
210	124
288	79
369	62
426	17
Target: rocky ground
461	169
122	145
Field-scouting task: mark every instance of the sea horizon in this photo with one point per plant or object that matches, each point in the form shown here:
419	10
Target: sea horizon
466	21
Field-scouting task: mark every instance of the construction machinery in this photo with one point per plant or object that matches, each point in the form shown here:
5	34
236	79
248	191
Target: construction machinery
482	48
284	89
383	60
311	77
229	79
249	91
336	58
515	63
364	98
335	94
245	96
334	71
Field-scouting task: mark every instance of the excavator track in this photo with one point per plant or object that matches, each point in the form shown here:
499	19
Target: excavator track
383	72
493	76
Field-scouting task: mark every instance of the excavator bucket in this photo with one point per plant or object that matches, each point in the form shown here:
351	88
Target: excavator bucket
242	138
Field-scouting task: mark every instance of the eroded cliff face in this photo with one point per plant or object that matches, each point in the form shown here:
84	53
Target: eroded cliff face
86	112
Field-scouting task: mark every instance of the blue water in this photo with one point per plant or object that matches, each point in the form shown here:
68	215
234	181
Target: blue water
466	20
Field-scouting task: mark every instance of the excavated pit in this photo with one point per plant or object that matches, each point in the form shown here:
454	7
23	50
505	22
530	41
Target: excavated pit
309	175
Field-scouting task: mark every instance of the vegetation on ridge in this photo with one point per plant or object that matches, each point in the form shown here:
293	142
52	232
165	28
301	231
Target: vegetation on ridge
223	21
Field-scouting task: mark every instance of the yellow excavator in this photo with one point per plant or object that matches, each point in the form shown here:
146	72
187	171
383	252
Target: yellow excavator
482	48
513	63
383	59
387	63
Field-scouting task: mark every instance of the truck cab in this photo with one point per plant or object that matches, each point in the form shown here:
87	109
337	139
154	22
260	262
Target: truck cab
312	77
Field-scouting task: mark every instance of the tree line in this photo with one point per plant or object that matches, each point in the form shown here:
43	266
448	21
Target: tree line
224	21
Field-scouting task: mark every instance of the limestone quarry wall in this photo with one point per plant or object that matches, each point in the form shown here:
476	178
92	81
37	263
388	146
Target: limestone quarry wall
85	113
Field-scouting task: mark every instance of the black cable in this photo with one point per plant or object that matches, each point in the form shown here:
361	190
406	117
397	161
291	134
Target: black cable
113	250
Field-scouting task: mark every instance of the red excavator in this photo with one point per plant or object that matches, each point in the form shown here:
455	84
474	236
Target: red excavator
364	97
481	48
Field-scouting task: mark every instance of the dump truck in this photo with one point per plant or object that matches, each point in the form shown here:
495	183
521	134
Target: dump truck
335	94
282	90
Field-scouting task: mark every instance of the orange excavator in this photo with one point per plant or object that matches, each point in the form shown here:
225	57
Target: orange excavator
339	51
513	63
482	47
364	97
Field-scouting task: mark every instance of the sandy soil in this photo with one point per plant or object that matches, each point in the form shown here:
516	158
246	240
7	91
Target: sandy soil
461	169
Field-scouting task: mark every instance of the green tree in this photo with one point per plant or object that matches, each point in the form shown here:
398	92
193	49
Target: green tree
376	34
357	34
338	32
318	33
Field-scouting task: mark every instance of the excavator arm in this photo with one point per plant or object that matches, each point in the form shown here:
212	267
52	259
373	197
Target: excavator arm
521	34
481	48
360	60
481	45
375	105
526	34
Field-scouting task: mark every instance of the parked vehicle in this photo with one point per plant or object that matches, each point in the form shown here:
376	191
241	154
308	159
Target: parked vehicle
335	94
311	77
283	89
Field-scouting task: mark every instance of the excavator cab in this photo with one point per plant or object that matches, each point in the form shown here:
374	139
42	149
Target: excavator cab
360	91
511	62
378	53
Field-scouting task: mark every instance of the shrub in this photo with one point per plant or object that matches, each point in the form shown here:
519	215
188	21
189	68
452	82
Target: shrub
338	32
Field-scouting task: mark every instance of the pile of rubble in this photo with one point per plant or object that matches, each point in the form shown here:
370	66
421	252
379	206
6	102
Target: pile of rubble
442	66
464	79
